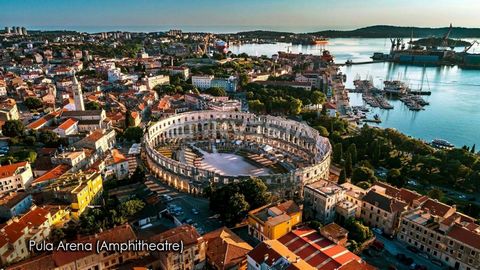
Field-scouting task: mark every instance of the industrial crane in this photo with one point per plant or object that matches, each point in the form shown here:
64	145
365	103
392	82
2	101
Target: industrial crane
447	35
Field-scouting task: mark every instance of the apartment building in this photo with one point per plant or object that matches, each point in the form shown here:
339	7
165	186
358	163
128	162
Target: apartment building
274	221
321	198
14	203
194	248
202	82
382	211
15	176
153	81
454	240
86	260
79	190
16	232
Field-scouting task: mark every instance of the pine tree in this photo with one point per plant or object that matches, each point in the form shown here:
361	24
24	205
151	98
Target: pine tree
348	165
473	149
342	178
352	150
337	153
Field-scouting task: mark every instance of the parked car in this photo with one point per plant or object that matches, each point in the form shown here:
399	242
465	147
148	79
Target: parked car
167	197
195	211
412	249
437	262
404	259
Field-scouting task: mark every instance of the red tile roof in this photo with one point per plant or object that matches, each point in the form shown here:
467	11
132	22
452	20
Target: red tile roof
9	170
52	174
225	249
12	232
68	123
465	236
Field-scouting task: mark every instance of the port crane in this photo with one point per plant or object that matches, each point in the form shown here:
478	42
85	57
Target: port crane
447	35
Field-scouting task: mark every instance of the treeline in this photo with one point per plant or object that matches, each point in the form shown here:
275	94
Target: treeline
375	31
280	100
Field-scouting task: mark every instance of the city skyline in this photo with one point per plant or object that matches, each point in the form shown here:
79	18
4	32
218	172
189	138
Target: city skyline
212	15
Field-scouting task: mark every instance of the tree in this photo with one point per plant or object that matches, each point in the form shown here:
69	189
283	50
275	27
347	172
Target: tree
363	174
131	207
133	134
237	207
436	194
342	178
396	178
243	79
322	131
33	103
216	91
256	106
337	152
318	97
92	106
352	150
255	191
473	149
357	231
295	106
348	165
13	128
49	138
315	224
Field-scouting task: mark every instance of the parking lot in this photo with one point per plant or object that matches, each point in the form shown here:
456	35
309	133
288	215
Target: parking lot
388	257
186	208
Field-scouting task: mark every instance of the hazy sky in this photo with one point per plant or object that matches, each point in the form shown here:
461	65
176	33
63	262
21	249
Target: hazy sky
254	14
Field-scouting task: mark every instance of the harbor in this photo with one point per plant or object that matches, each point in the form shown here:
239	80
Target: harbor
453	90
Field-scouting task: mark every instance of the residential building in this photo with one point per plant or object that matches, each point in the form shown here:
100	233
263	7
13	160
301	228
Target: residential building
228	84
153	81
16	232
202	82
321	198
75	159
116	165
355	195
273	221
194	249
100	140
68	127
184	72
454	240
14	203
84	260
79	190
314	79
382	211
15	176
226	250
303	248
335	233
8	110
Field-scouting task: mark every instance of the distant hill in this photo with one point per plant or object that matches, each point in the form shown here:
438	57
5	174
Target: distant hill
376	31
385	31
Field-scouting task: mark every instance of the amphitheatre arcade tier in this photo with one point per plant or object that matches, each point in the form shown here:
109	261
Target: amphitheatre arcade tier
289	153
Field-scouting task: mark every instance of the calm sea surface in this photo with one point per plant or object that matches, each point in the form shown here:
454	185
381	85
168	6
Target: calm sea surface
454	110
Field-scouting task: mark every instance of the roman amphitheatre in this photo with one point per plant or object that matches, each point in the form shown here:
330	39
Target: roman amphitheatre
192	150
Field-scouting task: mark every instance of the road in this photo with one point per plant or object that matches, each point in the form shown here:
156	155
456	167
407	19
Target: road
394	247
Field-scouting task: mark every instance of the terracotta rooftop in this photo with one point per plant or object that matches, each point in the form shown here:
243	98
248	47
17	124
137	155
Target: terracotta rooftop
68	123
10	233
11	199
52	174
225	249
186	233
9	170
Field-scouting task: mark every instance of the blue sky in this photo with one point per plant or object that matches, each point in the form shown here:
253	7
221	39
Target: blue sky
248	14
